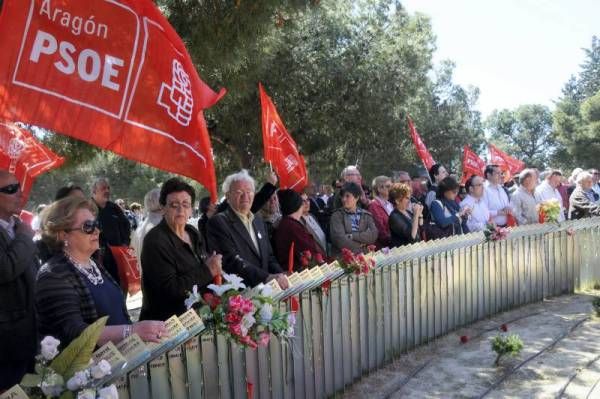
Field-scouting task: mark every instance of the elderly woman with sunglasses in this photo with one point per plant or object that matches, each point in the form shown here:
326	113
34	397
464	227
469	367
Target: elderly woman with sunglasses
72	290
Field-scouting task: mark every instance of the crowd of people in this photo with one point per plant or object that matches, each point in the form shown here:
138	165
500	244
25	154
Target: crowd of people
59	276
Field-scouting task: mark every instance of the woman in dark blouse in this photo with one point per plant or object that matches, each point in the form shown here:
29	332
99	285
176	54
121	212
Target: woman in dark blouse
173	258
404	223
72	290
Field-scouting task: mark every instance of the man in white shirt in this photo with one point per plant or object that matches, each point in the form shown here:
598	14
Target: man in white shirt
480	214
495	196
547	191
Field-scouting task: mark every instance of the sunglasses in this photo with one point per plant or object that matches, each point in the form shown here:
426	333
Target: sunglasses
88	227
10	189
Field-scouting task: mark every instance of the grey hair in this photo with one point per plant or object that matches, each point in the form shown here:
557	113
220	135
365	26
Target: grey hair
525	173
99	181
151	200
379	180
583	176
348	169
574	174
242	175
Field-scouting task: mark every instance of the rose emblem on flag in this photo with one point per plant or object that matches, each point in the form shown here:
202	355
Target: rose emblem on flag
177	98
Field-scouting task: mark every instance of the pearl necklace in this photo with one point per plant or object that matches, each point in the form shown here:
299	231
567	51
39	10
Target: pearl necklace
92	273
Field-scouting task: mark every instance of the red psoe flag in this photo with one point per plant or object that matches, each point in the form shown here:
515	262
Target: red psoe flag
24	156
505	161
112	73
279	147
471	165
422	150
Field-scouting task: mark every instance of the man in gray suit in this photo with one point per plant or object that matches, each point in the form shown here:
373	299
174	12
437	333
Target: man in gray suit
18	267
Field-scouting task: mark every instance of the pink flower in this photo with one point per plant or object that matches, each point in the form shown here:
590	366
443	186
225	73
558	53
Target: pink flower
246	340
247	306
504	327
235	303
236	329
371	248
263	339
233	318
306	254
347	256
304	262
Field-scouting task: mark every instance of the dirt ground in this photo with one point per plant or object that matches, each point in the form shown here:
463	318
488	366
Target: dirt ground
560	358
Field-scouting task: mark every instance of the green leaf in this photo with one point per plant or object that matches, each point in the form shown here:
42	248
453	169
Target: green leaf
67	395
31	380
77	355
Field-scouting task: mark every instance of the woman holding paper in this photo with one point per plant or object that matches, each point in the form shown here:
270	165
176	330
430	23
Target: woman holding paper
173	257
73	290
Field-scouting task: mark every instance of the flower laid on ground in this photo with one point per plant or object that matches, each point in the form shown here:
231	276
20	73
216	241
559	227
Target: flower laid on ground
309	260
549	211
464	339
494	233
247	318
73	365
504	327
356	263
510	345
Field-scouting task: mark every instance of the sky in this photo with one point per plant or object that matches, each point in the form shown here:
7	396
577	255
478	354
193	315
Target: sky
516	51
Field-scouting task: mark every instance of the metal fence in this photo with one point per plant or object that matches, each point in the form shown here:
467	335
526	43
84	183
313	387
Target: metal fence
415	294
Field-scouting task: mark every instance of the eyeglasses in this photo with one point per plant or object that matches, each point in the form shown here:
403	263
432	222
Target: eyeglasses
88	227
238	193
476	185
10	189
177	205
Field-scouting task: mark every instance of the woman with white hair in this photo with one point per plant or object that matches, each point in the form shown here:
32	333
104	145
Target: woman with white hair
523	199
154	214
582	201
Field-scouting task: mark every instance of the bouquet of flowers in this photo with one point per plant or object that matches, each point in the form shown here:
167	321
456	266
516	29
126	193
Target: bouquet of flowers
549	211
308	260
247	318
73	365
356	263
494	233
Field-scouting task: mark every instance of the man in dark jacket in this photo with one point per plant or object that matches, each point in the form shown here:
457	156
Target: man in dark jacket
241	237
115	228
18	267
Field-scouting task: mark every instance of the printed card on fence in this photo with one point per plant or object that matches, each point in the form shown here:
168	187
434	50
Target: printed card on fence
174	326
15	392
276	289
294	279
111	354
133	349
305	276
316	273
192	322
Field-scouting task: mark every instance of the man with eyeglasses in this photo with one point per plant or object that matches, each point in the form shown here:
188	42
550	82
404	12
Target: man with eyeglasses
241	237
480	214
18	268
115	227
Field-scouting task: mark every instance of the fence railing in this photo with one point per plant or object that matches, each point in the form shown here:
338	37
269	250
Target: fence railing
416	293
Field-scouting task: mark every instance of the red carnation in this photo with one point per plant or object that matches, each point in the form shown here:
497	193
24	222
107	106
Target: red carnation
233	318
464	339
304	262
306	254
211	300
504	327
319	258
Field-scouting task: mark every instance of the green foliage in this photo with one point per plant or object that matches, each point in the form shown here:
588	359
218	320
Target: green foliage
576	120
506	345
31	380
525	133
77	354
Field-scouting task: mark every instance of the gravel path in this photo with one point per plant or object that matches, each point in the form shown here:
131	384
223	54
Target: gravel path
560	359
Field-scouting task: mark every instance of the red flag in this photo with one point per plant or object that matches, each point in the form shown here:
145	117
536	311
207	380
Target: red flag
279	147
127	264
291	259
113	74
505	161
472	164
422	150
23	155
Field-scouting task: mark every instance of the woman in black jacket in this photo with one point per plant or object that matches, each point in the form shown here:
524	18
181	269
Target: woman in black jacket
405	225
173	258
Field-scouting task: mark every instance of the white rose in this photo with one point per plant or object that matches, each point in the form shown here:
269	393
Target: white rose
52	385
110	392
78	380
266	313
49	347
101	370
